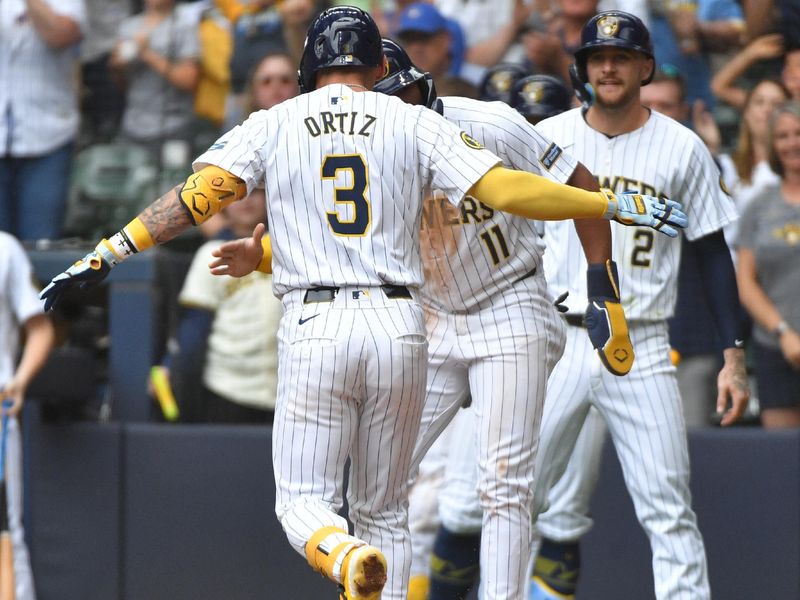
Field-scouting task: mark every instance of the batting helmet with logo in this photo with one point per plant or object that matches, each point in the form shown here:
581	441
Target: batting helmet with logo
343	36
616	29
540	96
499	80
402	73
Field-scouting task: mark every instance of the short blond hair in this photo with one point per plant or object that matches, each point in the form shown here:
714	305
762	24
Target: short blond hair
788	108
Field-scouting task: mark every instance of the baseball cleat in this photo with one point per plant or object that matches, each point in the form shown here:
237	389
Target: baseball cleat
363	574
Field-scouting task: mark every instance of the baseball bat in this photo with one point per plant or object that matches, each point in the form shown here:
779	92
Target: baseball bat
163	393
7	583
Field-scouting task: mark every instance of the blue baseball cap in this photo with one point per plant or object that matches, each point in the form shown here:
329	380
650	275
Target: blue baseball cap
421	17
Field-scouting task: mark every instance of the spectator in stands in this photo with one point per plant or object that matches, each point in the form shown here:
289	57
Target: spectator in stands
686	32
273	80
697	351
39	108
550	48
436	45
20	313
214	83
551	37
491	29
748	171
764	48
102	100
225	367
264	27
156	60
768	274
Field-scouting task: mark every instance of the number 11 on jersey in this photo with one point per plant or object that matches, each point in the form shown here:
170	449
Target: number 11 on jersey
489	237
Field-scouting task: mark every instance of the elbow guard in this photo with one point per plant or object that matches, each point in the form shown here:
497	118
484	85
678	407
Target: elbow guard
208	191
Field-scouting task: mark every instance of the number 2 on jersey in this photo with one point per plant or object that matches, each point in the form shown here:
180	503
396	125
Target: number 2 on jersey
641	256
354	195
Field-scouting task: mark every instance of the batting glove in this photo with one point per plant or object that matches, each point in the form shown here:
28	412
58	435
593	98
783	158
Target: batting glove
631	208
605	319
87	272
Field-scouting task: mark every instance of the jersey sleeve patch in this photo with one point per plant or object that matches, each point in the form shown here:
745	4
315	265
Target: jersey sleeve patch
550	156
470	141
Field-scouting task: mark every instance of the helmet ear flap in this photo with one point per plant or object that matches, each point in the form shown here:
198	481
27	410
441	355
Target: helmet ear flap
583	89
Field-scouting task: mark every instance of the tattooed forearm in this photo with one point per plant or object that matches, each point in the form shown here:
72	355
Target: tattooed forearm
734	358
166	218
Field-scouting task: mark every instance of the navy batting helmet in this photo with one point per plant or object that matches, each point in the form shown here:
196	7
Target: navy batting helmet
343	36
540	96
498	81
616	29
402	73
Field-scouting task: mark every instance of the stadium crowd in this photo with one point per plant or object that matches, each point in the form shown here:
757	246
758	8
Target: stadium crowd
160	80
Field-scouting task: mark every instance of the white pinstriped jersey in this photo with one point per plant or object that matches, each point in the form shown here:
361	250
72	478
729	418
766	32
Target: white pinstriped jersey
662	158
472	251
351	214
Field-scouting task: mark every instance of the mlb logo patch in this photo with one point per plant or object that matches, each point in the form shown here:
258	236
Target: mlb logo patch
550	156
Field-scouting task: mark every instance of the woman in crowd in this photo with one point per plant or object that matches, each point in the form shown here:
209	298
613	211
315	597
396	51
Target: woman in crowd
747	171
768	274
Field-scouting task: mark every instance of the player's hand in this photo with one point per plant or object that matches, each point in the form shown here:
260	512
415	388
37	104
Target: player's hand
240	257
88	271
732	383
632	208
605	319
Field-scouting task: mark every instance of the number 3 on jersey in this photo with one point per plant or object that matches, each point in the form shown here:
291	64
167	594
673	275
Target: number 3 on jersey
354	195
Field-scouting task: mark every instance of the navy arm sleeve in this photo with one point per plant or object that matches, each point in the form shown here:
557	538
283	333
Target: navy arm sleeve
719	281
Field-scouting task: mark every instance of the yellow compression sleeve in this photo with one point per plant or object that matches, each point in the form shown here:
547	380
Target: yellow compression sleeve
535	197
208	191
265	265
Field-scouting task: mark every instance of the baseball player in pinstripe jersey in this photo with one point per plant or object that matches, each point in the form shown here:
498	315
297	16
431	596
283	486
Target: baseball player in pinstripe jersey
630	147
482	280
494	334
344	171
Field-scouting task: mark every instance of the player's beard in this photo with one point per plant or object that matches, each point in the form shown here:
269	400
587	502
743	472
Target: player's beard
619	103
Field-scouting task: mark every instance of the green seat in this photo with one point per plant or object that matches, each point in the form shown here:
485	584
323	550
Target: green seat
111	184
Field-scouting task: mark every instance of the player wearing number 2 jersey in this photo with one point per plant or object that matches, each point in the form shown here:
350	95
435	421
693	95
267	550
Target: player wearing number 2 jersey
630	147
344	171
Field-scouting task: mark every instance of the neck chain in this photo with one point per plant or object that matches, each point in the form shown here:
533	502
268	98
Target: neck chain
355	86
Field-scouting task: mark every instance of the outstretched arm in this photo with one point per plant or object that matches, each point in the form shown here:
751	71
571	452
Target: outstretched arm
204	194
535	197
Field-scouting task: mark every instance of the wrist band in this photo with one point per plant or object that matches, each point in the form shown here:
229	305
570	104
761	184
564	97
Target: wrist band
131	239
